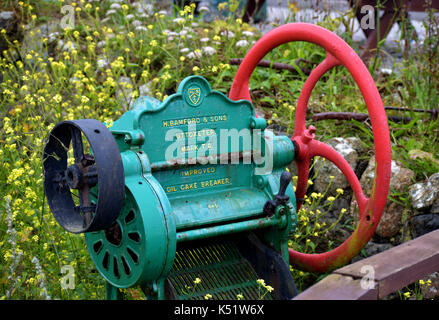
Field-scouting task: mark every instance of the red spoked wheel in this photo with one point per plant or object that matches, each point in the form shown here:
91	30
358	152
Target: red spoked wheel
338	52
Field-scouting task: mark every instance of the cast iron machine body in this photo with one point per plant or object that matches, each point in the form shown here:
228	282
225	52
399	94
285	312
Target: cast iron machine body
189	166
196	186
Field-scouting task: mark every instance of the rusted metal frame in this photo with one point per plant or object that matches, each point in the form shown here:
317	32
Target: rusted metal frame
393	10
421	6
251	8
363	116
353	116
393	269
104	168
356	6
265	64
412	5
278	65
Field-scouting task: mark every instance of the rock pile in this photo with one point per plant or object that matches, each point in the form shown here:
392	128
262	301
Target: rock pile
424	198
412	209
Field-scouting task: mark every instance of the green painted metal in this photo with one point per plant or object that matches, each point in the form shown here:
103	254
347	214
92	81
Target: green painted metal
236	227
223	272
188	178
197	192
146	247
113	293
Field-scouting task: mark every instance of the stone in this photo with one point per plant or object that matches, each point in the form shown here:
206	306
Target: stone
371	249
145	90
435	207
102	63
356	144
292	167
349	148
401	177
143	8
405	233
334	222
9	23
390	222
430	288
33	39
425	223
6	16
337	235
123	93
423	194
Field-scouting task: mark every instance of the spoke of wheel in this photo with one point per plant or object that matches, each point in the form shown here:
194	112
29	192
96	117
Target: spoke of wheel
78	148
302	103
84	197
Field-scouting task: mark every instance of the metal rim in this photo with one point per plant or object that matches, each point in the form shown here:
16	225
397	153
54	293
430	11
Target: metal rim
99	178
118	252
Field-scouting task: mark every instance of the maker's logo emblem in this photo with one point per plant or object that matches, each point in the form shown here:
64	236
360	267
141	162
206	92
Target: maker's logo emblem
194	95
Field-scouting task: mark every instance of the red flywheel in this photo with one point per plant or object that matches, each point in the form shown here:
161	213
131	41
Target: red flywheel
338	52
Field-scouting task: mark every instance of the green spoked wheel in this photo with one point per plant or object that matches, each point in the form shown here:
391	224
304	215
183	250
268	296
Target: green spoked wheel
128	252
117	250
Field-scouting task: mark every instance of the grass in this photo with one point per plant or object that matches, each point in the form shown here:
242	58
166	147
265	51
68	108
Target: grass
104	63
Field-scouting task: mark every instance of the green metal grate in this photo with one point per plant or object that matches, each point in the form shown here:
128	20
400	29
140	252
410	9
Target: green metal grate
223	271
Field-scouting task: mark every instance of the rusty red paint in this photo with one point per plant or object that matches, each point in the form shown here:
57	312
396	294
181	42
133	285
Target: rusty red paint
338	52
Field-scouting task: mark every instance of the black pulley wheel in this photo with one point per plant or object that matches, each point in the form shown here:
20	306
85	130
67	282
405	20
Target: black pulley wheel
98	178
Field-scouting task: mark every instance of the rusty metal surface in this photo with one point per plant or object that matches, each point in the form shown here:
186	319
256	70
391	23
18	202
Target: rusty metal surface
354	116
338	287
280	66
420	6
411	5
104	168
393	270
393	11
